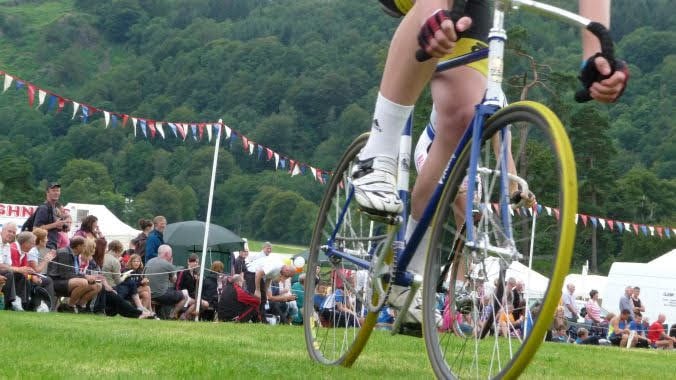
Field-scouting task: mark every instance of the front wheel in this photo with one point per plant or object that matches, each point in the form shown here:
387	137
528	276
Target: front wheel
503	283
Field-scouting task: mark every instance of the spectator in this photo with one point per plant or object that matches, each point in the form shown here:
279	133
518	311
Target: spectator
518	300
636	301
210	289
569	308
637	325
657	336
337	309
240	262
188	278
139	241
161	273
265	252
155	238
89	229
278	302
111	263
47	215
109	302
69	280
626	303
39	289
63	240
134	284
39	256
507	323
16	277
618	330
236	304
584	338
268	269
298	290
593	309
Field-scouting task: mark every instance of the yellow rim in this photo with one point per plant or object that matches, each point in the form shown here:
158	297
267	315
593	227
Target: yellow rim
566	238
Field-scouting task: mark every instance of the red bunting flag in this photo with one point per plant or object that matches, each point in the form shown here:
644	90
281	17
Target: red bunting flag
245	143
124	120
62	103
269	153
151	126
659	231
635	228
556	213
31	94
584	219
200	128
611	223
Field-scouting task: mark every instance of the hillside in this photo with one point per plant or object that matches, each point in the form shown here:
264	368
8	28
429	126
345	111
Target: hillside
297	77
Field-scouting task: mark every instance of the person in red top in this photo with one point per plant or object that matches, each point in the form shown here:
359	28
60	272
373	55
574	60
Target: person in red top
657	337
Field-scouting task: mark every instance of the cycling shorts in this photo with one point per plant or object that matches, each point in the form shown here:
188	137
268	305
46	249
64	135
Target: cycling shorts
470	40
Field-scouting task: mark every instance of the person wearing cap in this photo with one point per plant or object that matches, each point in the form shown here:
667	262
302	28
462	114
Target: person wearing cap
47	216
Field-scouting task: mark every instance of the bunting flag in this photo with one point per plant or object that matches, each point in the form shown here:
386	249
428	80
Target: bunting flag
150	128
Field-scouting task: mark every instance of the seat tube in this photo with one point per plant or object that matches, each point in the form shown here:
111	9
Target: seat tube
403	175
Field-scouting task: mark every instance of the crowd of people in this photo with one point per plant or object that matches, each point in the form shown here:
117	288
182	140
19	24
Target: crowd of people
45	268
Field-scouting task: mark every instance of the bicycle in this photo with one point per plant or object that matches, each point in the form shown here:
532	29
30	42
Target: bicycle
469	261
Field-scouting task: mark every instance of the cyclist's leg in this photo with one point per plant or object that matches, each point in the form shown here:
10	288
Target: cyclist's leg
403	80
455	93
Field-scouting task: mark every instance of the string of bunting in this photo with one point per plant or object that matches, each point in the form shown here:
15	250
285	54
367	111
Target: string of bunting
152	128
596	221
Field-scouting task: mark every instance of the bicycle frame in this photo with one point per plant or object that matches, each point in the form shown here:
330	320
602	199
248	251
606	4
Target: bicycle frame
491	103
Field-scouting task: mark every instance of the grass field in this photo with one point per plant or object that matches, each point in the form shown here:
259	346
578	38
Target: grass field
255	246
55	345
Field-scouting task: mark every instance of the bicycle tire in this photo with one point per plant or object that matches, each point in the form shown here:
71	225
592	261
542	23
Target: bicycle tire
544	158
326	341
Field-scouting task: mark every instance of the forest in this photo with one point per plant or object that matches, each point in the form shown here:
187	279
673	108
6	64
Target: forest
300	77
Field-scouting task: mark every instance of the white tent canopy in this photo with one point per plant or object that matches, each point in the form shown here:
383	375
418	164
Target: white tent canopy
667	260
111	227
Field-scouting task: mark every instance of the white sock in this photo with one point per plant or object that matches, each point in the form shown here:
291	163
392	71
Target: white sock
417	264
389	119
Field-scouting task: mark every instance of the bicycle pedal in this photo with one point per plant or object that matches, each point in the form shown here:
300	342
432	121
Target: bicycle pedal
382	217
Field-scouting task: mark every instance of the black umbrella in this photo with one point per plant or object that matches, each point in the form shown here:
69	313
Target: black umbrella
188	236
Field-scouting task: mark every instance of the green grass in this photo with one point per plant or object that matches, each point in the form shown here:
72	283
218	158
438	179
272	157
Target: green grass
54	345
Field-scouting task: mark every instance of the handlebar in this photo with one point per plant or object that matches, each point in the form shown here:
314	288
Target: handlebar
607	52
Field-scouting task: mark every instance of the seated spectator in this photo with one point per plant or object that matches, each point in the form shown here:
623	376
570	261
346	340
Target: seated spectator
69	278
89	229
109	303
188	278
638	326
134	286
584	338
236	304
39	289
657	336
298	290
161	273
39	256
16	280
278	301
336	311
593	308
508	325
210	290
111	263
618	330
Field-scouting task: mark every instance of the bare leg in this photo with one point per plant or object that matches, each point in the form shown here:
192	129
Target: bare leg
92	291
144	295
137	301
77	287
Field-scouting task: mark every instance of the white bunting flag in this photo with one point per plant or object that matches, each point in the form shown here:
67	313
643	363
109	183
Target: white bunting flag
251	148
76	106
228	131
276	160
296	170
160	130
8	82
106	117
133	122
314	172
41	97
603	223
209	131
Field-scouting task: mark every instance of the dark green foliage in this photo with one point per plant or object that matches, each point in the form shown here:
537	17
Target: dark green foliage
300	77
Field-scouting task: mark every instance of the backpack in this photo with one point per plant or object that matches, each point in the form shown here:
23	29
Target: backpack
28	224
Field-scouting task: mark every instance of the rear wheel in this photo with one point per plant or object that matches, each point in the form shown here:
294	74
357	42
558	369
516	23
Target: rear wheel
535	248
344	242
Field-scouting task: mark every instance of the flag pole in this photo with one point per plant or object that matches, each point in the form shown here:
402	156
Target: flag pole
208	221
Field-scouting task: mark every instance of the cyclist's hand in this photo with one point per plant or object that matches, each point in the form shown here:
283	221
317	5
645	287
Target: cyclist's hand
438	34
604	84
527	199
